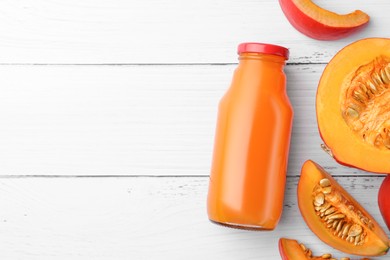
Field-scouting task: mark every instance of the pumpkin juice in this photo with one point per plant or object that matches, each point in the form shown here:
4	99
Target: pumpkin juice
252	138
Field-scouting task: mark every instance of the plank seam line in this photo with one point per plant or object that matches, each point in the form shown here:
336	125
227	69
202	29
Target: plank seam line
160	176
145	64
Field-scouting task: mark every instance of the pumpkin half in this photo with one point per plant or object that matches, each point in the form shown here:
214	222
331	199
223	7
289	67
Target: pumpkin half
353	108
335	216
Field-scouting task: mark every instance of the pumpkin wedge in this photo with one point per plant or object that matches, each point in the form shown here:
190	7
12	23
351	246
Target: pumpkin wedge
336	217
290	249
319	23
352	105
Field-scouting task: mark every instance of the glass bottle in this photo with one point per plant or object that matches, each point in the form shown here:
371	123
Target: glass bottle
248	172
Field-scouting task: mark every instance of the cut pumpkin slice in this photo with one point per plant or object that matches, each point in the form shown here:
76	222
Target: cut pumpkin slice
336	217
290	249
319	23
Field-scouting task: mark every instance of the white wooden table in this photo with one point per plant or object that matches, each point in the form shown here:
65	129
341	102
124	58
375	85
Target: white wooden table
107	118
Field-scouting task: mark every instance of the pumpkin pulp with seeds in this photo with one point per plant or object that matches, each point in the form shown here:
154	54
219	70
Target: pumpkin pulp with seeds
336	217
365	109
353	108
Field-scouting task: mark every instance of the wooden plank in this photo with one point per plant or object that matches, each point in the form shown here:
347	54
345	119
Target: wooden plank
142	218
203	31
131	120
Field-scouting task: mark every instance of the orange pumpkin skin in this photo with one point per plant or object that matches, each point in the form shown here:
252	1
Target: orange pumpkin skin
351	105
370	238
321	24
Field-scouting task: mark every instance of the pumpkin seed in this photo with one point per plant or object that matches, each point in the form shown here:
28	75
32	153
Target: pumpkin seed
325	207
327	190
339	225
363	87
364	220
319	199
384	77
387	70
325	182
336	216
372	87
345	230
352	112
357	240
355	230
330	211
335	224
377	78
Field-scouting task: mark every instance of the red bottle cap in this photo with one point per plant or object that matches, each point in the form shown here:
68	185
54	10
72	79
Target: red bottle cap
263	48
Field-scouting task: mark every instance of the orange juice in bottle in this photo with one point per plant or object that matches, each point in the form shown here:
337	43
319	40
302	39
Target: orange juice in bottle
248	172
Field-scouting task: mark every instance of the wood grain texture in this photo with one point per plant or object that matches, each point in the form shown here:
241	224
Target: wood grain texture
132	120
141	218
127	92
202	31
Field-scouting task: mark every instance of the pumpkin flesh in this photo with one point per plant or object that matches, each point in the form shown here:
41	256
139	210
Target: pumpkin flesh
352	105
336	217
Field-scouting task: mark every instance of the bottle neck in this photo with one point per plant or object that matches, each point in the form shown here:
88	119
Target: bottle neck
263	70
249	57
